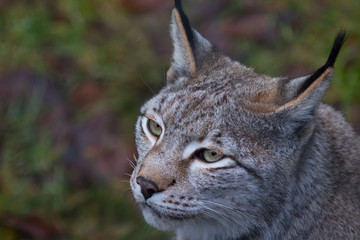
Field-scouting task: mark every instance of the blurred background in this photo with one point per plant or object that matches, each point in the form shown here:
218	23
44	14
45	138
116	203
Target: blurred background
73	74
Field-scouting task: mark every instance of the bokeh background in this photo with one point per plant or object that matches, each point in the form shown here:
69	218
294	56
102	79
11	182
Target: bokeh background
73	74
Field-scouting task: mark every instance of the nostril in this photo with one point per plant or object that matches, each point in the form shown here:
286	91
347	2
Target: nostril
148	187
150	192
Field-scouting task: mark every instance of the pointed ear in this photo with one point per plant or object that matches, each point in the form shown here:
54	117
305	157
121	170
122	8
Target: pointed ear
305	93
189	46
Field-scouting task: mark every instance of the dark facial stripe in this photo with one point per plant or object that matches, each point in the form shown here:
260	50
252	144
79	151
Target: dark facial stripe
250	170
220	168
162	103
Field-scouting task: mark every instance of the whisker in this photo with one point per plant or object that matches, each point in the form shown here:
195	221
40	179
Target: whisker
127	174
124	181
132	164
135	158
221	205
220	216
164	76
146	84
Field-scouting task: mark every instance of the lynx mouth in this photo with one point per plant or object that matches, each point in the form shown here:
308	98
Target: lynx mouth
169	213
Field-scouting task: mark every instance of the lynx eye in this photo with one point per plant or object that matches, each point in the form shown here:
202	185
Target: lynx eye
209	155
154	128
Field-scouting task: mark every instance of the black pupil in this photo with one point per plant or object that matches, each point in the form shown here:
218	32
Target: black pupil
213	153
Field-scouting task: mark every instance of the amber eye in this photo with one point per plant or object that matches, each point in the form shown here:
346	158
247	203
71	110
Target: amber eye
209	155
154	128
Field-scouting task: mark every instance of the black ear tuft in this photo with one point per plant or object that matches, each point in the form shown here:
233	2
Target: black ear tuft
338	42
186	23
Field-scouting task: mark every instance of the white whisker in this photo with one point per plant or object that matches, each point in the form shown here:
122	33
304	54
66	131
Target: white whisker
124	181
134	156
132	164
146	84
127	174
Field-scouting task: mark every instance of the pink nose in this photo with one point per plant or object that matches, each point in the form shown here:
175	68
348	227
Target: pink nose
148	187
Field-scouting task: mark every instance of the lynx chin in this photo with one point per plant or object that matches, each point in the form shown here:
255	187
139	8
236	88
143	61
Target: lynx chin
226	153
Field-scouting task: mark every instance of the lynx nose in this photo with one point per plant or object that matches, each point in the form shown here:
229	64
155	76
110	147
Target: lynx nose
148	187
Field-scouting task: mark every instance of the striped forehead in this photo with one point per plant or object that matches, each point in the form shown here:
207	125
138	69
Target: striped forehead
166	103
183	108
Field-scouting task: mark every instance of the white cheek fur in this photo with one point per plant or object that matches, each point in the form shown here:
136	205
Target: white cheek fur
190	149
198	164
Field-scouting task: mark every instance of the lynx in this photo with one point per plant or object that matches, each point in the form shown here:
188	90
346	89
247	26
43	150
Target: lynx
226	153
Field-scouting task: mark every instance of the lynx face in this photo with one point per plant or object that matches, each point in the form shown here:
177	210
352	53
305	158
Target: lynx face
203	158
218	147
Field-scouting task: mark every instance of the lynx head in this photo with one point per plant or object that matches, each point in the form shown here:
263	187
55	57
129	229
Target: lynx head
219	145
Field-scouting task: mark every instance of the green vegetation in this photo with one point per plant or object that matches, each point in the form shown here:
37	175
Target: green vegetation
74	73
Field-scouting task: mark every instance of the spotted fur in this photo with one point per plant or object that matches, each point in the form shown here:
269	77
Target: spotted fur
291	165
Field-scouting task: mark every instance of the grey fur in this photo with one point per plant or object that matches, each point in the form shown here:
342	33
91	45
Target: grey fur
291	168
